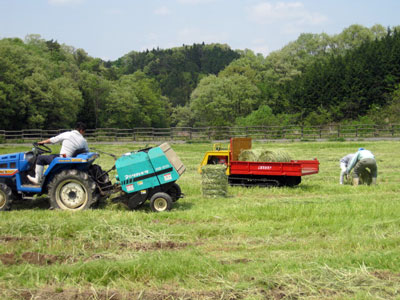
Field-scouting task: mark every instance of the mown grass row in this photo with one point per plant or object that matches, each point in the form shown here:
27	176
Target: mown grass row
317	240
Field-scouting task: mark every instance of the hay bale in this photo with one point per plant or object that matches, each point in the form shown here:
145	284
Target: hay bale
214	181
248	155
274	156
261	155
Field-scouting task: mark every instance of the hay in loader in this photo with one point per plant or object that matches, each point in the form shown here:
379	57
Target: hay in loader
248	155
214	181
275	156
261	155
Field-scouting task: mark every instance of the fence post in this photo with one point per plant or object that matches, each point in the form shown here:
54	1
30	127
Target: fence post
338	131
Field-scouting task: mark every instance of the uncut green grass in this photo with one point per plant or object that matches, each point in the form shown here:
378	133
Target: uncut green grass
317	240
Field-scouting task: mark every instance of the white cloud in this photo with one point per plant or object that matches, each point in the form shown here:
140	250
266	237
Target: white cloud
65	2
151	42
195	1
162	11
292	13
260	46
263	49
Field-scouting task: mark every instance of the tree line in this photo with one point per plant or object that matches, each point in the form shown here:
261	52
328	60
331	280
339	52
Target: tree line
47	85
318	79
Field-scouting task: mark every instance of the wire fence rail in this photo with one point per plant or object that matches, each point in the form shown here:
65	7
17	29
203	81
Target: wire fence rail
214	133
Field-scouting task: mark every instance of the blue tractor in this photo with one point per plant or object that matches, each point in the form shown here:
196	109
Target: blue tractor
76	183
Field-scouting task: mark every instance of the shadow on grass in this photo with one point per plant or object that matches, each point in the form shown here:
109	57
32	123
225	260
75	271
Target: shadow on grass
182	205
37	203
145	207
175	206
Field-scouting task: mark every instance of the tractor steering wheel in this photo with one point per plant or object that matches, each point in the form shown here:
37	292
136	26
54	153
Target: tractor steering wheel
40	148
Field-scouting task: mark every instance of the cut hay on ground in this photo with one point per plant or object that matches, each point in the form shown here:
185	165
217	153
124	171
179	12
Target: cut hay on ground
364	178
261	155
214	181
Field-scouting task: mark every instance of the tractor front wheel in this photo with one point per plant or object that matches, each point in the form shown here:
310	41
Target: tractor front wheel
6	197
72	190
160	202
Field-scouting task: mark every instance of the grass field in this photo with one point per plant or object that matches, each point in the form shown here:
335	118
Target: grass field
319	240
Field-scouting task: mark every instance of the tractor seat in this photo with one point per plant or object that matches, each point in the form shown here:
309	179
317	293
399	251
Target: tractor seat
79	151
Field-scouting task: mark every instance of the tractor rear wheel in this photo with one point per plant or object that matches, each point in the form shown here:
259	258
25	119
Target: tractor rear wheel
100	177
6	197
103	184
72	190
160	202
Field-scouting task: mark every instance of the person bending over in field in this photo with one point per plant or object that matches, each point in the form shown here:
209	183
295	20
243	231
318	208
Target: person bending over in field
363	159
344	162
73	143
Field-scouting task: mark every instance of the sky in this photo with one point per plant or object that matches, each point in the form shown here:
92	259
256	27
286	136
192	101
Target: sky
109	29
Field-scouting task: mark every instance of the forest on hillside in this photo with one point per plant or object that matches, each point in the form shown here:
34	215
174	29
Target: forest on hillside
318	79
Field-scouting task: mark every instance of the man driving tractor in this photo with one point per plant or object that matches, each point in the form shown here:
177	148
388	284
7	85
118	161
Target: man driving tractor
73	143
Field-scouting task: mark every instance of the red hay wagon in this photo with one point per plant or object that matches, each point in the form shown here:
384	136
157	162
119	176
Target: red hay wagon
258	173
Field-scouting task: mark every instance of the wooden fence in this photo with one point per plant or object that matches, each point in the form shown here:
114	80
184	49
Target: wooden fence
214	133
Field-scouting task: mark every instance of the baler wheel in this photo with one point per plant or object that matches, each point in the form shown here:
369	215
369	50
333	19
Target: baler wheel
175	192
72	190
160	202
6	197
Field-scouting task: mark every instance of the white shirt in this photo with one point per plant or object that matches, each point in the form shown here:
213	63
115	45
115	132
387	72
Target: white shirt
71	141
346	159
